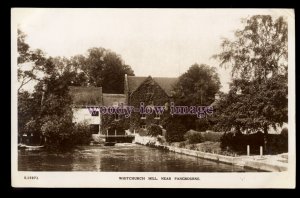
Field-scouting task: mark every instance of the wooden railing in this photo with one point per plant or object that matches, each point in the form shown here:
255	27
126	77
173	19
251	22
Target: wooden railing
104	136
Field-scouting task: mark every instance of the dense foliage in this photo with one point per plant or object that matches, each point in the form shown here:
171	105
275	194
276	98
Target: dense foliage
175	132
260	48
258	96
103	68
193	137
46	112
62	134
154	130
277	143
258	106
196	87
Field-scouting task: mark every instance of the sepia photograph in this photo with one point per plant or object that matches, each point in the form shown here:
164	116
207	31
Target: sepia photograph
168	98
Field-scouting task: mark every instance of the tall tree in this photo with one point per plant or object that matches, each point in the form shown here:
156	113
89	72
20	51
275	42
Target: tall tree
258	56
196	87
257	106
259	50
30	62
103	68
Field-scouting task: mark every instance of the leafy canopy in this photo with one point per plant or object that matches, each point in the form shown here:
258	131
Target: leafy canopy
258	94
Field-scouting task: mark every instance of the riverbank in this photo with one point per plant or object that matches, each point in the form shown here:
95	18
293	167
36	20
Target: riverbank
272	163
123	157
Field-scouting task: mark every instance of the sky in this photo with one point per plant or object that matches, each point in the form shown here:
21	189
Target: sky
156	42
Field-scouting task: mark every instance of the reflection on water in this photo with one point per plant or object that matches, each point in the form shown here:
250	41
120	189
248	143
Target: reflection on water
121	157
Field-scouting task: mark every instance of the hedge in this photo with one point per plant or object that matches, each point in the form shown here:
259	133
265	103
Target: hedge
276	143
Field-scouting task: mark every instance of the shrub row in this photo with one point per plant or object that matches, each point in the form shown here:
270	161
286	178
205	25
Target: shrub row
194	137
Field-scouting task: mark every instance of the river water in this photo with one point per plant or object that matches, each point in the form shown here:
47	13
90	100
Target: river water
121	157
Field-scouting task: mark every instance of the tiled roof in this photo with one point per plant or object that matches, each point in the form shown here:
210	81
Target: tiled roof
165	83
134	82
85	96
111	99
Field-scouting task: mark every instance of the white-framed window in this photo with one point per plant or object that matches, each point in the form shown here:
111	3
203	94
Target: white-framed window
95	113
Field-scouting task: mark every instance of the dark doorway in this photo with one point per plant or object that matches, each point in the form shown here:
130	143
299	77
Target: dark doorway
94	128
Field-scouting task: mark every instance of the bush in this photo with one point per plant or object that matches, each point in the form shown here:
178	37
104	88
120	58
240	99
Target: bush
154	130
238	142
234	141
197	137
81	134
226	140
175	132
141	132
278	143
212	136
57	132
161	139
284	140
284	132
193	137
63	135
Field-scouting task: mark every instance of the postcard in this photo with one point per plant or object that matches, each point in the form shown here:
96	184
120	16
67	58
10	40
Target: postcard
153	98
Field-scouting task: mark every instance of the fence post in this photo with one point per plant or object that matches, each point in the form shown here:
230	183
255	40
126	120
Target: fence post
261	151
115	132
248	150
